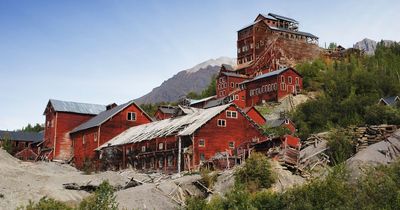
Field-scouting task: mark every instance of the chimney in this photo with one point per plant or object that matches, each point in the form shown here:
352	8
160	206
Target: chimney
110	106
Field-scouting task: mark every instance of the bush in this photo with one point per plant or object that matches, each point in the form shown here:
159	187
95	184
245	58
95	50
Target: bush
103	199
46	204
256	172
341	146
7	144
208	177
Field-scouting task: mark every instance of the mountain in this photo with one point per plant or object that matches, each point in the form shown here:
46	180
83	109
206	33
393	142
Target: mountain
194	79
369	45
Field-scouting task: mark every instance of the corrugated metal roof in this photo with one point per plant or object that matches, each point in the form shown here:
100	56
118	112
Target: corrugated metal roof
168	109
228	67
275	123
269	74
229	74
22	136
293	32
75	107
195	101
103	117
280	17
214	103
182	126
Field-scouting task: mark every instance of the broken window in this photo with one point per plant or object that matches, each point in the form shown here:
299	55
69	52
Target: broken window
221	123
231	145
202	157
160	162
202	143
170	160
131	116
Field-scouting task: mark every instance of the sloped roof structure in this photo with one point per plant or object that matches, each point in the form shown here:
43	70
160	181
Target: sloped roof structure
75	107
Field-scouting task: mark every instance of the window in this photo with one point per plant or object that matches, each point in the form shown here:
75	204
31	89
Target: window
289	80
231	145
95	137
236	97
84	139
202	143
160	146
282	78
243	98
160	162
202	157
232	85
221	123
297	80
283	86
237	85
286	121
170	160
131	116
231	114
143	148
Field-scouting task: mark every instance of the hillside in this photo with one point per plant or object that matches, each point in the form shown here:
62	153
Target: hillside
194	79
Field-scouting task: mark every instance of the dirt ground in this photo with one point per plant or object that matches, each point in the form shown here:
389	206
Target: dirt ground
24	181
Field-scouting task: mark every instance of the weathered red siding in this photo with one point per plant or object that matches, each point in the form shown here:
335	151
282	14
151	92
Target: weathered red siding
159	115
256	116
108	130
217	138
57	132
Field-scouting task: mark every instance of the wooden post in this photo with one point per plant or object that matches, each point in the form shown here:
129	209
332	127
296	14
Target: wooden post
179	154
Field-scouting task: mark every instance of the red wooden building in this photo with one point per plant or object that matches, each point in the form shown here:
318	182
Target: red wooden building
182	142
103	127
164	112
24	144
255	115
286	122
61	118
272	86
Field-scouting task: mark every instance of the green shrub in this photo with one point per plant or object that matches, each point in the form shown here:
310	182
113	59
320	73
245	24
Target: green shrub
208	177
340	146
45	204
196	203
7	144
103	199
256	172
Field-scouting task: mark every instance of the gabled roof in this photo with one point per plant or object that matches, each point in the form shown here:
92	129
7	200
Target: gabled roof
75	107
227	67
391	101
22	136
229	74
180	126
195	101
280	17
104	116
272	73
167	109
214	103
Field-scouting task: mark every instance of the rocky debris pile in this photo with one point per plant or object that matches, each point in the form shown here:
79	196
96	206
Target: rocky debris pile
313	154
368	135
381	153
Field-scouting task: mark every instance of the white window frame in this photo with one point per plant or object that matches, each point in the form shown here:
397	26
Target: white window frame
282	78
290	79
95	137
231	114
160	146
143	148
84	139
220	124
203	141
129	116
297	81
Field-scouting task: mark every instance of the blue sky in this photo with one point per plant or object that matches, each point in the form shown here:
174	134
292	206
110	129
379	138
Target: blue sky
114	50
